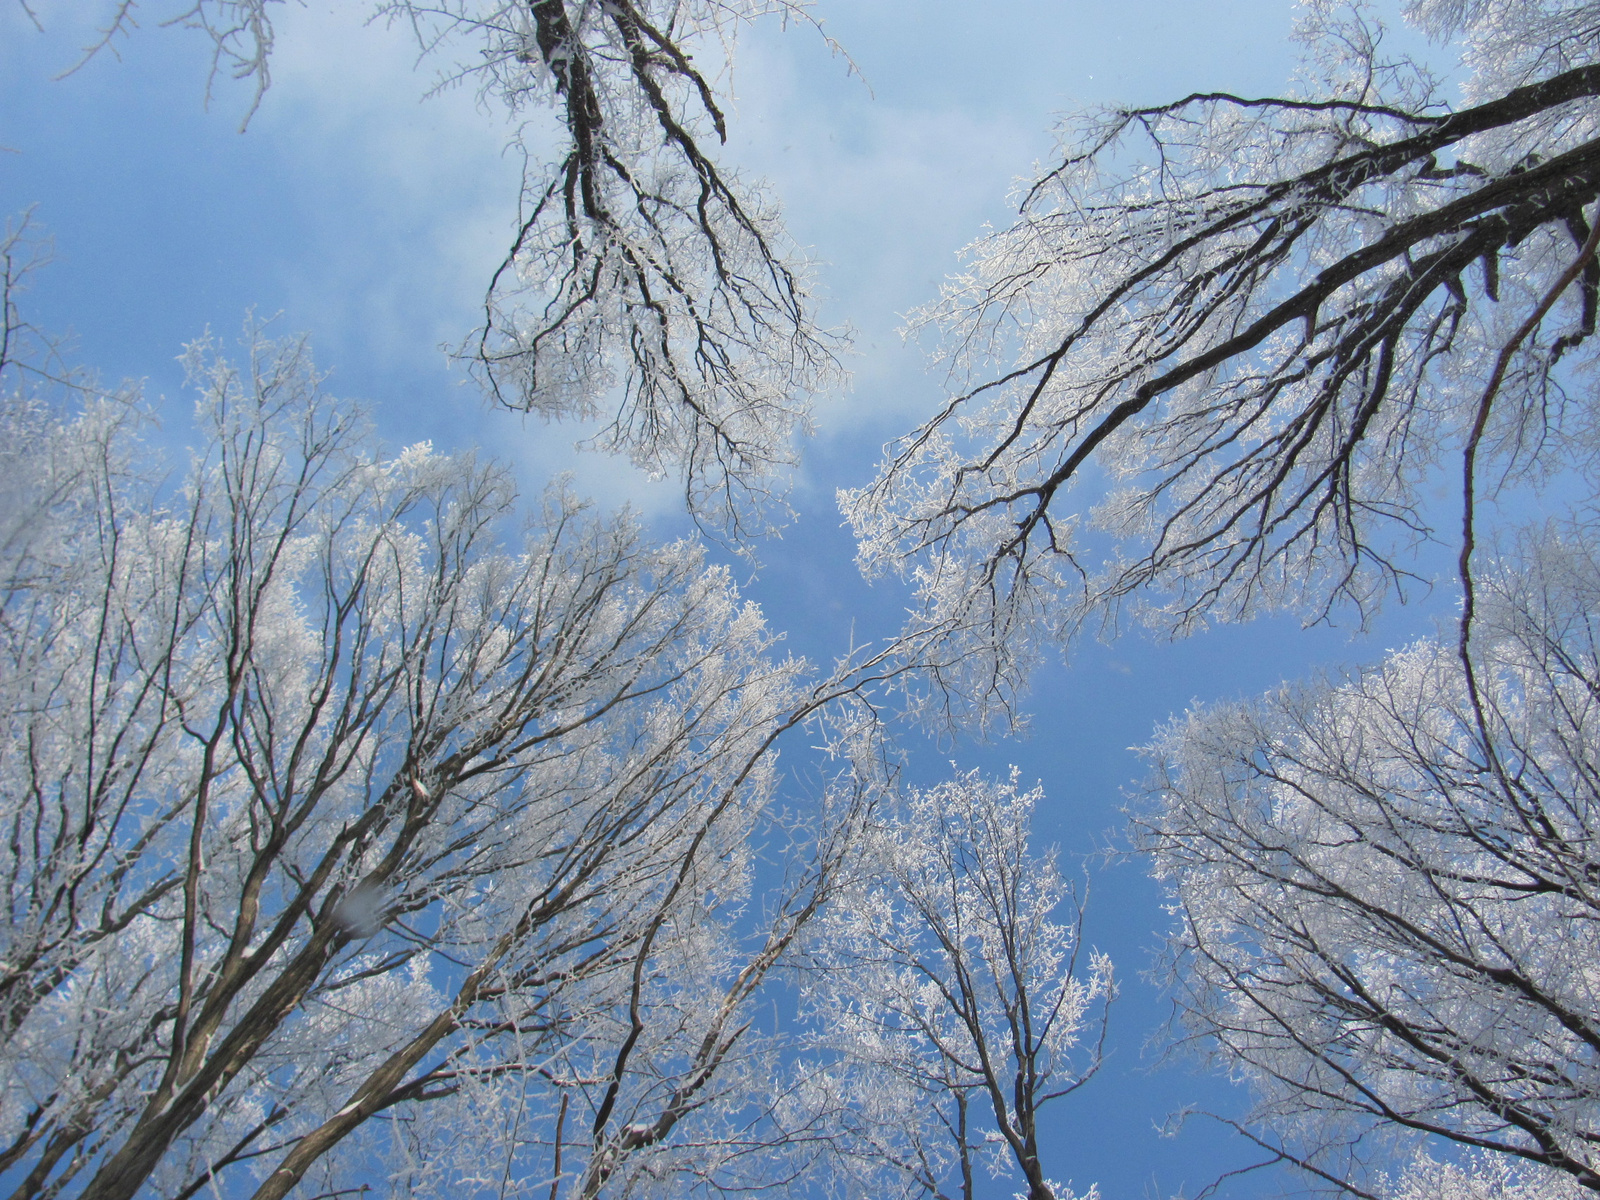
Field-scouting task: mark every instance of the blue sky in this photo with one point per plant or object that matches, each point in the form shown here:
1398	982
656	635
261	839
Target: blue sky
370	219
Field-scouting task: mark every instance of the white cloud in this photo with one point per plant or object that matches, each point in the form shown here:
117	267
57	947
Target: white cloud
410	202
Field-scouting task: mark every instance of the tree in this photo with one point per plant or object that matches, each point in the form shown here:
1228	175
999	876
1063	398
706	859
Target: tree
1386	885
1481	1177
343	844
955	1001
1210	367
646	285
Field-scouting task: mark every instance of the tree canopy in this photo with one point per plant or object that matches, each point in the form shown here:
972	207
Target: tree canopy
321	803
366	824
1211	368
1385	882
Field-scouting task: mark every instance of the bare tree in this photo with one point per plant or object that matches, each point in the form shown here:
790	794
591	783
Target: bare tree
647	285
957	1004
1387	888
323	810
1226	341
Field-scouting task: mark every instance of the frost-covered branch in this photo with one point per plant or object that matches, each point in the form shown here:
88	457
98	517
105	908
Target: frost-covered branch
325	808
1387	884
647	287
956	1003
1210	366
